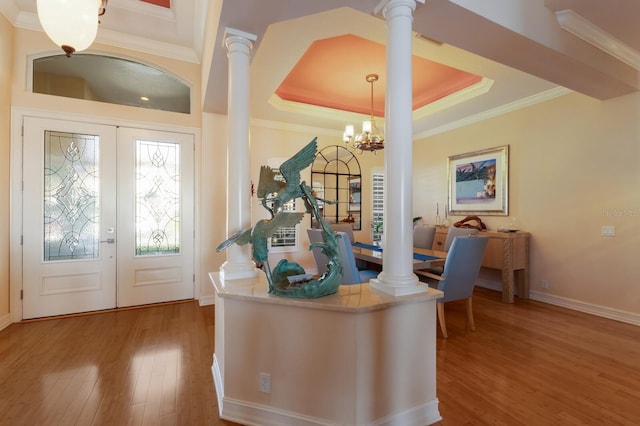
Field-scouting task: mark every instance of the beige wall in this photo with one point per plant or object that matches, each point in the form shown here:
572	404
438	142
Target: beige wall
6	47
213	196
574	167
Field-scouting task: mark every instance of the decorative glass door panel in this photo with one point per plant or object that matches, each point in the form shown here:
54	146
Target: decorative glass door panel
71	196
157	198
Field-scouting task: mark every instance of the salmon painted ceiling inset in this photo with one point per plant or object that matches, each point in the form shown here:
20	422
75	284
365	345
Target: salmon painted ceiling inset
161	3
332	74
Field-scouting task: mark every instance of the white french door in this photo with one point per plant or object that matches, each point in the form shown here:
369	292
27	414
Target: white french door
155	216
107	217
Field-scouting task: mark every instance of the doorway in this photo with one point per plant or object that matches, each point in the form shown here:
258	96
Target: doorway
108	217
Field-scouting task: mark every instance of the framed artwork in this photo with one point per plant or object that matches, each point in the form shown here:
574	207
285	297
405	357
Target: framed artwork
479	182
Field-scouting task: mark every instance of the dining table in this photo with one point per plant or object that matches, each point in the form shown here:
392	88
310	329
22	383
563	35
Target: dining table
422	258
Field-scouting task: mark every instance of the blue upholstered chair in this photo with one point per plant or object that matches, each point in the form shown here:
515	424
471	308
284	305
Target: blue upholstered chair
457	232
350	273
346	228
451	234
458	278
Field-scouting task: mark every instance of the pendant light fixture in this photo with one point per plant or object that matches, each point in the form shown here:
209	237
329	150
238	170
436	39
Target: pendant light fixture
371	138
71	24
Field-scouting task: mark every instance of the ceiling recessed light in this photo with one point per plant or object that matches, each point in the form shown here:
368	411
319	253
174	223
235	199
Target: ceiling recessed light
144	98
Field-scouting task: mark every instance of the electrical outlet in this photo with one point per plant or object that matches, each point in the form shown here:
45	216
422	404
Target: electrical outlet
265	383
608	231
544	283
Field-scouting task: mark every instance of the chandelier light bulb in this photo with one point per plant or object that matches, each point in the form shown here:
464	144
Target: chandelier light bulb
349	131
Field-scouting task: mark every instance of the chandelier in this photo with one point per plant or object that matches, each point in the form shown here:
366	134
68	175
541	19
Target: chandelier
71	24
371	138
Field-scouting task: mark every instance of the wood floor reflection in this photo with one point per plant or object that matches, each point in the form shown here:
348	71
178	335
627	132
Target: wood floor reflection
132	367
527	363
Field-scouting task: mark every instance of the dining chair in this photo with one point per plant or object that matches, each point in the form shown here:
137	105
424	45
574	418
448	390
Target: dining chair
457	232
346	228
451	234
423	236
458	278
350	273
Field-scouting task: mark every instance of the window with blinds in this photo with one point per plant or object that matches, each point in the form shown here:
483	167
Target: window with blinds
377	203
284	239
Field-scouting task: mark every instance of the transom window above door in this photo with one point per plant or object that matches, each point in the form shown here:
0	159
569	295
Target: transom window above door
112	80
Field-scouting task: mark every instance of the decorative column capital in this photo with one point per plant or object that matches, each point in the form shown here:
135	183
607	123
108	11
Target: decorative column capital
238	39
386	5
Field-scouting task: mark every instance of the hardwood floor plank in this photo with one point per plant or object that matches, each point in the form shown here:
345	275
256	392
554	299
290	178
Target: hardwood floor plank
547	364
527	364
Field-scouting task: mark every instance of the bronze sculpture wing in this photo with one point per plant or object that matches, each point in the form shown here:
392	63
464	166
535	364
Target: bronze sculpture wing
291	168
281	220
268	183
264	229
241	238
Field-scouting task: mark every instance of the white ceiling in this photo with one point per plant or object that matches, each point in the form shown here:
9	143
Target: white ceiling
517	44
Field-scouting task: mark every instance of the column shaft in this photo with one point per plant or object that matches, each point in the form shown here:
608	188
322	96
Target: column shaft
397	276
239	264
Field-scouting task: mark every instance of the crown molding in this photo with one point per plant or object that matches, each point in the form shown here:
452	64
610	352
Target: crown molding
10	11
594	35
485	115
480	88
466	94
145	8
278	125
109	37
315	110
141	44
495	112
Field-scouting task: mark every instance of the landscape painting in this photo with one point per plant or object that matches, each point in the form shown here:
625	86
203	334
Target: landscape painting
478	182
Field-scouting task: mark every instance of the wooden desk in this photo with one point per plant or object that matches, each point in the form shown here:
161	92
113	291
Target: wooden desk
507	251
374	256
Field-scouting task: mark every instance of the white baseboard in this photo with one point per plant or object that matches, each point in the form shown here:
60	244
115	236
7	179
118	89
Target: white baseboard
601	311
217	382
486	281
207	300
425	414
251	414
5	321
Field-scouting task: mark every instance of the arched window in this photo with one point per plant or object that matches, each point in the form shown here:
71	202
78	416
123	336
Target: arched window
109	79
336	178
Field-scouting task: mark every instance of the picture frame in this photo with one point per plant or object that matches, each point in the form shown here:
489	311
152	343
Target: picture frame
478	182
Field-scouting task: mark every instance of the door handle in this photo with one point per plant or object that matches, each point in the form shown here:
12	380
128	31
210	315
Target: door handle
108	241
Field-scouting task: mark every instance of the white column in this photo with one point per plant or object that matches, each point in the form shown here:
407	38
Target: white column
397	277
239	44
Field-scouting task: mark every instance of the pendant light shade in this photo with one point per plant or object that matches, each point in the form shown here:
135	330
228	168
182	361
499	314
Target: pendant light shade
71	24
